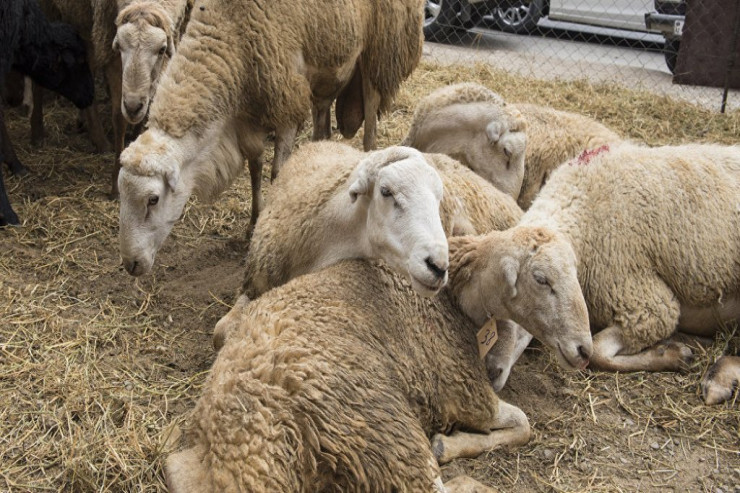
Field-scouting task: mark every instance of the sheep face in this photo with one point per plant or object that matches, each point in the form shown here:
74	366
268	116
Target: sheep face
152	200
402	193
143	48
485	137
543	294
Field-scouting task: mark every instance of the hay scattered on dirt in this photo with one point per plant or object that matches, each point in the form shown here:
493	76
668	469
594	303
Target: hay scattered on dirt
97	369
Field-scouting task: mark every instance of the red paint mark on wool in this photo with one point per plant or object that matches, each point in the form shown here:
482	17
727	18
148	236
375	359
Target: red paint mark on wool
586	156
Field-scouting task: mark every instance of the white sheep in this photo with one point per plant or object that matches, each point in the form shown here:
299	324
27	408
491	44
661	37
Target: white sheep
336	379
128	41
328	206
474	124
243	70
657	235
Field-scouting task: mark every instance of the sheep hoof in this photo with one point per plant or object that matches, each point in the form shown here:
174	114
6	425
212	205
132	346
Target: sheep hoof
720	382
438	449
678	354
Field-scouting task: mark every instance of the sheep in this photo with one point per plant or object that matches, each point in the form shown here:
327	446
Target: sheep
52	55
327	207
130	42
474	124
657	250
212	111
335	380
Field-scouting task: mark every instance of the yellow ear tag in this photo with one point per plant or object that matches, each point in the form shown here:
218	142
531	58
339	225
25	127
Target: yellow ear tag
487	336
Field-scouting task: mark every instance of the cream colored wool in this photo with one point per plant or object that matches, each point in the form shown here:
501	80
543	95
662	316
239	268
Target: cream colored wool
656	232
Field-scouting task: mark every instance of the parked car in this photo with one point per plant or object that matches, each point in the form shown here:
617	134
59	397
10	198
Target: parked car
443	17
668	18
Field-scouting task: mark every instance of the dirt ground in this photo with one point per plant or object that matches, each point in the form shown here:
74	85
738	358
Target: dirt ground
98	370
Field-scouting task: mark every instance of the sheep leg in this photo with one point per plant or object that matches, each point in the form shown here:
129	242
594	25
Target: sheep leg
512	341
321	115
510	428
37	115
646	315
228	323
114	75
284	140
721	380
466	484
371	101
95	128
255	178
608	354
6	148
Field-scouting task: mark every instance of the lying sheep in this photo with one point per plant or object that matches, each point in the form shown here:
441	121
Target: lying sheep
474	125
335	380
657	235
329	206
130	47
211	112
52	55
312	221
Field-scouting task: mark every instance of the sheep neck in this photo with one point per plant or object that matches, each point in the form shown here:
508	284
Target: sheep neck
347	235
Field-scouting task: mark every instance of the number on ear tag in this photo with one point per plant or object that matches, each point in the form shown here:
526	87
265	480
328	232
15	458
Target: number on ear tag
487	336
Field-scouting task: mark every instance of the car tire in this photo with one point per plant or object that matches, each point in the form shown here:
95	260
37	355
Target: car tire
441	20
519	18
670	50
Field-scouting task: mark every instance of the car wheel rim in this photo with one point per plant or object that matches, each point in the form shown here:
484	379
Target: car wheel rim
431	11
513	16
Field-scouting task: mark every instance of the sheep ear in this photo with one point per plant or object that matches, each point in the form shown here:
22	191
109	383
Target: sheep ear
494	130
172	177
367	170
510	268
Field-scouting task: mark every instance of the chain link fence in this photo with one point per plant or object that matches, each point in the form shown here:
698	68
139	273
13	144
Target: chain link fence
685	49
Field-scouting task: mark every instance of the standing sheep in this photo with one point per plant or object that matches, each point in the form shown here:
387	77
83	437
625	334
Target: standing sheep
474	124
243	69
49	53
658	250
129	41
335	380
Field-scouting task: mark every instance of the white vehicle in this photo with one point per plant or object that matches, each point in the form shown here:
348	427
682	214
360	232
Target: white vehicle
441	17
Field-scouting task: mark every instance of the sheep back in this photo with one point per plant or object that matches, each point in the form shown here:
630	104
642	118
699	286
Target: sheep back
339	377
553	137
671	213
248	59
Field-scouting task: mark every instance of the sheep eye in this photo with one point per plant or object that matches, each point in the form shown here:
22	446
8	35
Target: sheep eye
507	152
162	50
541	279
385	192
153	200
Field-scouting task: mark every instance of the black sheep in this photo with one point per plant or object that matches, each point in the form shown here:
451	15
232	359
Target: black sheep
49	53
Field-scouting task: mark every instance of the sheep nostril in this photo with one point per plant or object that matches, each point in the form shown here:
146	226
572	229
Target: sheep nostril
436	270
585	354
131	266
133	108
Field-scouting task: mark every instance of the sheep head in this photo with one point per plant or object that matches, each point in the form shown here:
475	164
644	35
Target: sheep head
144	38
527	275
488	137
153	197
401	194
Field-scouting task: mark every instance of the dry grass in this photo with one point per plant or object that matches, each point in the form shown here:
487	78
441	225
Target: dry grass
96	368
